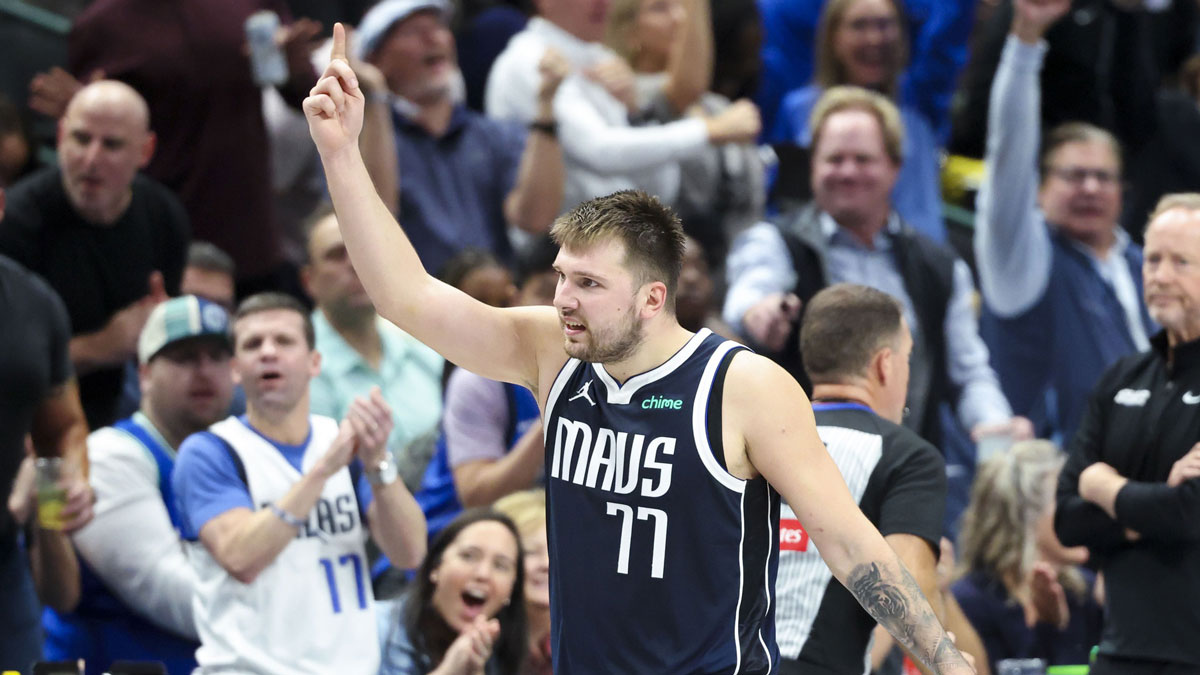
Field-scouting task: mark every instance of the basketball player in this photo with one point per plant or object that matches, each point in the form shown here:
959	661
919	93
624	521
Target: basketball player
664	447
275	508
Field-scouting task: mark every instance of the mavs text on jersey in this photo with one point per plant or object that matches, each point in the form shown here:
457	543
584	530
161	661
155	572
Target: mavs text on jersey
661	560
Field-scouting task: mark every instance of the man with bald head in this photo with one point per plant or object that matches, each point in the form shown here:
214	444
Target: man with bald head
110	241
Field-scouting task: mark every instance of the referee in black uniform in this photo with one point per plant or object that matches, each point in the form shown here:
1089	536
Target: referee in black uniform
856	348
1129	490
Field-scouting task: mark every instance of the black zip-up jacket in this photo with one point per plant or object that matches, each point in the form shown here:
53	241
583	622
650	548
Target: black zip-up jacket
1144	414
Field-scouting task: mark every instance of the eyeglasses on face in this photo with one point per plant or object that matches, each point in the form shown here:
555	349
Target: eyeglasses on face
1078	175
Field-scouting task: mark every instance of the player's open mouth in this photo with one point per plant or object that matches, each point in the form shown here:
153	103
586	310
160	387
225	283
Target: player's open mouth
573	328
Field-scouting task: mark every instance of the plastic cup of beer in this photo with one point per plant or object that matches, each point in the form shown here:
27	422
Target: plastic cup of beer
51	495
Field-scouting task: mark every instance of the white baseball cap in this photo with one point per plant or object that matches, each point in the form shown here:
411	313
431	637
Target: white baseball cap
380	19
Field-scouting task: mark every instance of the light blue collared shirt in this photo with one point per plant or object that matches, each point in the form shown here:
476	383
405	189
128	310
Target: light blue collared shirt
409	375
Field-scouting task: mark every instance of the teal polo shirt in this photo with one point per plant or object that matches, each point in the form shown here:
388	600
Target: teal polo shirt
409	375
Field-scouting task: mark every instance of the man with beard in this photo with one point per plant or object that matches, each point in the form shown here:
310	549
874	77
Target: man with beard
137	600
1128	490
664	448
275	508
467	177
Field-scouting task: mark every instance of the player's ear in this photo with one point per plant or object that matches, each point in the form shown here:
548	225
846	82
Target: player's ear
654	298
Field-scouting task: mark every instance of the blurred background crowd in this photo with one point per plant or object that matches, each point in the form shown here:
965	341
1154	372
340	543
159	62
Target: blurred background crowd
991	164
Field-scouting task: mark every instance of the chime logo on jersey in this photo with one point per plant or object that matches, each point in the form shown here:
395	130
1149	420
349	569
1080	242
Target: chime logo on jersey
792	536
662	402
614	461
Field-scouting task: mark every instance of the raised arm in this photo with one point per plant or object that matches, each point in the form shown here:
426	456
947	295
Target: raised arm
770	430
690	66
536	198
1012	245
502	344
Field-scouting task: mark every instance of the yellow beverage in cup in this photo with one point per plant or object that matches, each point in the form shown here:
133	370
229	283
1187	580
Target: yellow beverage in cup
51	497
50	505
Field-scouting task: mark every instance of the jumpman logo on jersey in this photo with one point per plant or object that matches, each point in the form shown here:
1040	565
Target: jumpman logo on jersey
583	393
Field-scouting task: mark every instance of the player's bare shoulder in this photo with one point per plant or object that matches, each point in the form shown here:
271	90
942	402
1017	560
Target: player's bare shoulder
761	405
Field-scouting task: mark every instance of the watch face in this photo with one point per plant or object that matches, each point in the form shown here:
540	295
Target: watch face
384	474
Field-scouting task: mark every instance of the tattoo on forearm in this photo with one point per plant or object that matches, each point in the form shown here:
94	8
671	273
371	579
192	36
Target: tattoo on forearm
900	607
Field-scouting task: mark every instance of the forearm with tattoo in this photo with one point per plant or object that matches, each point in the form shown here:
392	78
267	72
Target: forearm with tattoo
896	602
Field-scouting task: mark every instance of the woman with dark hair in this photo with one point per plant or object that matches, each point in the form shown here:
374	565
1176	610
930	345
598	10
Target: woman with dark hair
464	613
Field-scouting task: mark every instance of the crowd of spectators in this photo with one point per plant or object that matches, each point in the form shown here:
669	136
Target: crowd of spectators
173	280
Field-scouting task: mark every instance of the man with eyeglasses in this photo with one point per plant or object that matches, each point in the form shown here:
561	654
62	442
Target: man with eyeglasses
1060	279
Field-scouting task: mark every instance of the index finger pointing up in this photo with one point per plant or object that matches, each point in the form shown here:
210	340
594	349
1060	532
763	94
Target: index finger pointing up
339	42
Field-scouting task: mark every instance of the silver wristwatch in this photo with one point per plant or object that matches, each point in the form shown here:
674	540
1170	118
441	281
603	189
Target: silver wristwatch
384	473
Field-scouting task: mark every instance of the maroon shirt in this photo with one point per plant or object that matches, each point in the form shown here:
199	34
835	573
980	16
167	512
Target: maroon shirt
187	58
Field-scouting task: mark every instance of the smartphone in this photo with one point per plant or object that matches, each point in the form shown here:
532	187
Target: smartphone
268	65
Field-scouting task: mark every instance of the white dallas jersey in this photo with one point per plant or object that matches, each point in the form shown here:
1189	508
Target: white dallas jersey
311	610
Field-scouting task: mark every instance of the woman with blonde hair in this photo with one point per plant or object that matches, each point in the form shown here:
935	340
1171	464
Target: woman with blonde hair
1024	592
527	510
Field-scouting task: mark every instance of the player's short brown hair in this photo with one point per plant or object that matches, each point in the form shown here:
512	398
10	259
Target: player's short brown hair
651	232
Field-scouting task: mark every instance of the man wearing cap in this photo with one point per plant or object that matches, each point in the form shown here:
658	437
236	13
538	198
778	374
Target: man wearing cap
276	505
467	177
137	582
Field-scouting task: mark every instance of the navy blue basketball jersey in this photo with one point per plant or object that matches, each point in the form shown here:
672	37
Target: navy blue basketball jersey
661	560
